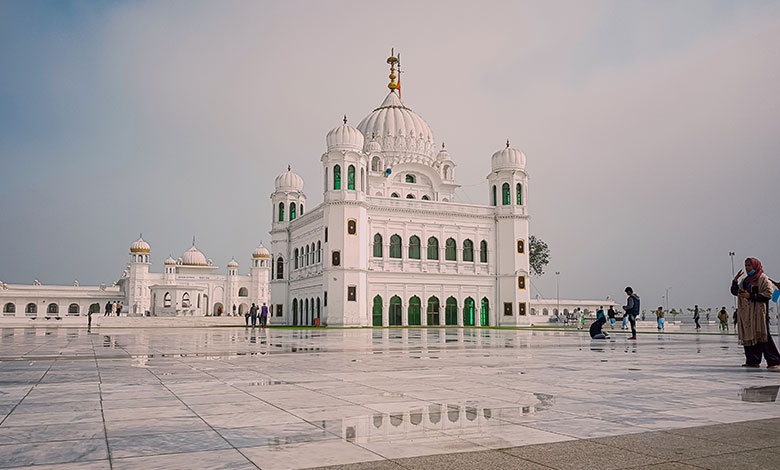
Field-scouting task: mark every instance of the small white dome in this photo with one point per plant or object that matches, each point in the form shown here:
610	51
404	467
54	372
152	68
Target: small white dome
508	158
373	146
193	257
170	261
289	181
232	263
140	246
345	137
261	252
443	154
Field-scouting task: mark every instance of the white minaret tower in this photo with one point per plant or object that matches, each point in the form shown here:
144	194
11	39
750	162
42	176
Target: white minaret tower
138	296
508	187
287	200
346	250
259	273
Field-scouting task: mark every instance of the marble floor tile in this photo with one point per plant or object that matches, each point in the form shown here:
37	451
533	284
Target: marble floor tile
168	443
139	427
59	452
308	454
212	460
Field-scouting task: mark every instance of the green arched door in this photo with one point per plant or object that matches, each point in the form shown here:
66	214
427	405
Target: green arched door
484	313
468	312
395	311
433	311
377	311
415	317
451	312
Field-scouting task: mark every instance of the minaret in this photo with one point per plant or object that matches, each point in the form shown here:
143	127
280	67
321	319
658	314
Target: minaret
259	274
137	297
508	186
286	199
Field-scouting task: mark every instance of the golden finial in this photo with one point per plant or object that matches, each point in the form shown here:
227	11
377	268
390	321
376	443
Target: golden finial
289	168
392	61
442	145
373	135
345	119
507	143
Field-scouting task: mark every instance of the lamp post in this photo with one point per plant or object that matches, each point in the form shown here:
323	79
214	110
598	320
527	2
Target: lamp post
731	255
667	298
557	294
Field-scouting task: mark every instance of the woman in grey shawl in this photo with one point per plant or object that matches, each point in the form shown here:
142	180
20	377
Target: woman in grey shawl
753	295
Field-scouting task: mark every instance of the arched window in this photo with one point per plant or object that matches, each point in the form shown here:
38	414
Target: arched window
31	308
279	268
73	308
54	308
394	195
167	299
243	292
468	312
376	312
425	197
376	164
362	179
411	179
414	247
415	317
519	194
337	177
395	311
395	246
483	251
295	258
185	300
377	245
451	311
295	311
9	308
319	251
306	256
447	172
505	196
410	196
292	211
468	250
433	311
450	250
281	212
313	251
484	312
494	200
433	248
545	311
326	179
351	177
300	209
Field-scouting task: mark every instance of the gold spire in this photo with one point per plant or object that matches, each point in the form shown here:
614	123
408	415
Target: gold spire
507	143
392	60
373	135
289	168
345	119
442	145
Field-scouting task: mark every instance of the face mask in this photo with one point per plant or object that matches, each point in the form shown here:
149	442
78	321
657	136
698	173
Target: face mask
752	272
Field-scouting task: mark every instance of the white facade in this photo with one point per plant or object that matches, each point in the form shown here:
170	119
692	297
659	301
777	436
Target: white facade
390	245
189	286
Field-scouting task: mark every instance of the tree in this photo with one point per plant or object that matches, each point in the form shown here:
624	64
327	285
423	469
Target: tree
538	254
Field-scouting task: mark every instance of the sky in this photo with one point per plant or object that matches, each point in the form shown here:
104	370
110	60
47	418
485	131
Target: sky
651	128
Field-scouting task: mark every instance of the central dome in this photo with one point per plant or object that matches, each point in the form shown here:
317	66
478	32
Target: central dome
398	129
194	257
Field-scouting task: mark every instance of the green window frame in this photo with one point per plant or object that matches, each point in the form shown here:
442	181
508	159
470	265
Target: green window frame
468	250
377	245
450	250
505	195
433	248
495	200
414	247
337	177
281	212
519	194
351	177
395	246
292	211
483	251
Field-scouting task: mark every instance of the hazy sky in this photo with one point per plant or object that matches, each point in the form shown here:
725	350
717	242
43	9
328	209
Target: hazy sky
651	128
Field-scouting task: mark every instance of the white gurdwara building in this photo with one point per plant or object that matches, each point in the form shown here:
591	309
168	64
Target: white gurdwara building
390	245
189	286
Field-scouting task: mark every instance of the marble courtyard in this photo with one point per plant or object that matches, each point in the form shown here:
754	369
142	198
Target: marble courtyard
237	398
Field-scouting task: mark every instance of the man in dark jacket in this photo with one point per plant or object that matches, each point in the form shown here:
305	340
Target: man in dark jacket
595	329
632	310
253	314
611	315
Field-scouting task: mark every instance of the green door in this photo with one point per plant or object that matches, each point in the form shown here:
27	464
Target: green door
377	312
484	313
451	312
414	311
468	312
395	311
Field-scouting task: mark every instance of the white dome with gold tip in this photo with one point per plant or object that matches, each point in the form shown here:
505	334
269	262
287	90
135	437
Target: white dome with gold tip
508	158
398	129
344	137
288	181
194	257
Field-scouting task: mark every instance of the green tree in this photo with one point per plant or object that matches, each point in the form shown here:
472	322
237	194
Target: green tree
538	254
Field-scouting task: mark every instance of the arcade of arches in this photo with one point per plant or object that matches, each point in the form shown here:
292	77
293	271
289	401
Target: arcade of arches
414	312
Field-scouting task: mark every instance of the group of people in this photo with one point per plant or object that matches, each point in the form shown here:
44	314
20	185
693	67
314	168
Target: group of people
115	307
255	312
631	312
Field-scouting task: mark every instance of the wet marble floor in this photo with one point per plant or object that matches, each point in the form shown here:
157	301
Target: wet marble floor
237	398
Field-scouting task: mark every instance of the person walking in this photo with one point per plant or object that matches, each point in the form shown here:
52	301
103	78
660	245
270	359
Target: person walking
611	316
263	315
600	313
753	295
723	317
696	316
632	310
108	309
118	308
253	314
659	316
246	317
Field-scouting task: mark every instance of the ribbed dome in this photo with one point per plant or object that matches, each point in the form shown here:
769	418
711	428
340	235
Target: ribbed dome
344	137
232	263
170	260
398	129
443	154
261	252
140	246
508	158
193	257
289	181
373	146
